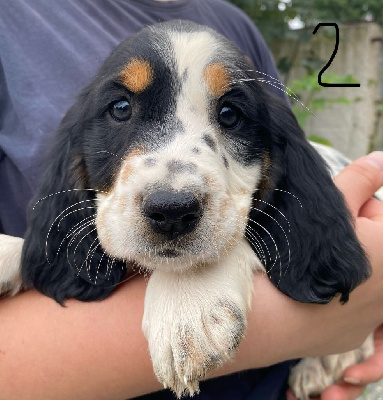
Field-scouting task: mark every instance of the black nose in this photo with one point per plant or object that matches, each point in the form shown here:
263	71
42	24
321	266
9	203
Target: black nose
172	213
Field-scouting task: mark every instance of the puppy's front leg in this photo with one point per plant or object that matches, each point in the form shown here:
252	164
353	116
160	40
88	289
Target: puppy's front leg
195	319
10	255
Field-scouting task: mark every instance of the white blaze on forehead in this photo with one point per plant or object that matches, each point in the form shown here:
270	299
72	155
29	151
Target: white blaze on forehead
202	78
196	55
193	50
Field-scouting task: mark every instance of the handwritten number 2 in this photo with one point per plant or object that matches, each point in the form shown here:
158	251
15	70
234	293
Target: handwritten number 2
332	58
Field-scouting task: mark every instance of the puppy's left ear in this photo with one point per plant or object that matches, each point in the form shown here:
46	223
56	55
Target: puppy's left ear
62	257
301	225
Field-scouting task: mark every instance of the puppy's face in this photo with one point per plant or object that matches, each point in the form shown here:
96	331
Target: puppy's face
175	148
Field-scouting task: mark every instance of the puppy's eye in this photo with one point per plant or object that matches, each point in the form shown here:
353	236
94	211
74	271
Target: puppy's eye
120	110
229	116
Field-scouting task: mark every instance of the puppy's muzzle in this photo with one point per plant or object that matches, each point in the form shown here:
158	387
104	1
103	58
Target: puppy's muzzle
172	213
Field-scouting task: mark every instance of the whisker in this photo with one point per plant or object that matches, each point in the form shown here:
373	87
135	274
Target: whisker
73	230
290	95
105	151
65	191
50	228
252	240
260	72
72	212
276	80
109	267
284	233
78	244
90	252
276	209
277	84
264	243
86	261
287	192
259	250
275	245
293	195
282	87
99	264
252	231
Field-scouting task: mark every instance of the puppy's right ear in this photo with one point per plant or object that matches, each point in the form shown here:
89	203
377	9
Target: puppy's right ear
62	257
302	222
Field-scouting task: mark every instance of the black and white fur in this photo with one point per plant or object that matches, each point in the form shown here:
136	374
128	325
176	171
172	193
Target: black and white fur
177	161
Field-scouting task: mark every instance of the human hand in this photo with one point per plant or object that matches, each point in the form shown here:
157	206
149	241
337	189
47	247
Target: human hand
369	215
358	182
356	377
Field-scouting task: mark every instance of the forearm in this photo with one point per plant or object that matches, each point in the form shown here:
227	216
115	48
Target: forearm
81	351
97	350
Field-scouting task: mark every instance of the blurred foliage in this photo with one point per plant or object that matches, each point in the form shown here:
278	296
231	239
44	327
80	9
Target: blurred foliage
273	16
267	16
305	101
318	139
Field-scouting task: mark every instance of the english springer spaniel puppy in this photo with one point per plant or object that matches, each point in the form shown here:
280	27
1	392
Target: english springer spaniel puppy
176	161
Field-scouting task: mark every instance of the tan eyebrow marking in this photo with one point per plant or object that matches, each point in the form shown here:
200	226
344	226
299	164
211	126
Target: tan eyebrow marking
217	78
137	75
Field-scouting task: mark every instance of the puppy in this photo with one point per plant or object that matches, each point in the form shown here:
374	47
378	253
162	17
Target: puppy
177	161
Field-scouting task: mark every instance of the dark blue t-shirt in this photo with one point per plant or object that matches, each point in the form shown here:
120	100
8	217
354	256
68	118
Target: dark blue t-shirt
48	52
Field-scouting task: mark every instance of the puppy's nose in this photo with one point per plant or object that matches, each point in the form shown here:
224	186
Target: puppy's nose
172	213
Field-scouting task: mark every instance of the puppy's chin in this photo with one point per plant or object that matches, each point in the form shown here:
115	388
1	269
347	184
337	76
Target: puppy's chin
172	261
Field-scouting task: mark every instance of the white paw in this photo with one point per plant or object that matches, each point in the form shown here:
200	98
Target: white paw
186	348
194	320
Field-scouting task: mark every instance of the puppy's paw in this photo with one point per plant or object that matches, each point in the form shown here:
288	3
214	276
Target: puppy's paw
194	320
183	352
192	326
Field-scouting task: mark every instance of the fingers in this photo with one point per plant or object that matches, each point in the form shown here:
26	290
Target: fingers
369	371
342	391
360	180
356	377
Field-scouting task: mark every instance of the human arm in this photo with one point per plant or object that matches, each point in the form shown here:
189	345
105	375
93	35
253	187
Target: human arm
97	351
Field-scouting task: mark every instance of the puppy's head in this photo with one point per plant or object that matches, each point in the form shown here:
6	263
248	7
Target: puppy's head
180	151
186	160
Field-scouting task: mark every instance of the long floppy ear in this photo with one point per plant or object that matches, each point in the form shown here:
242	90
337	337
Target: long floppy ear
300	225
62	257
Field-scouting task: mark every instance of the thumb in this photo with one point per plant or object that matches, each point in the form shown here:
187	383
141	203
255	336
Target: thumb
360	180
